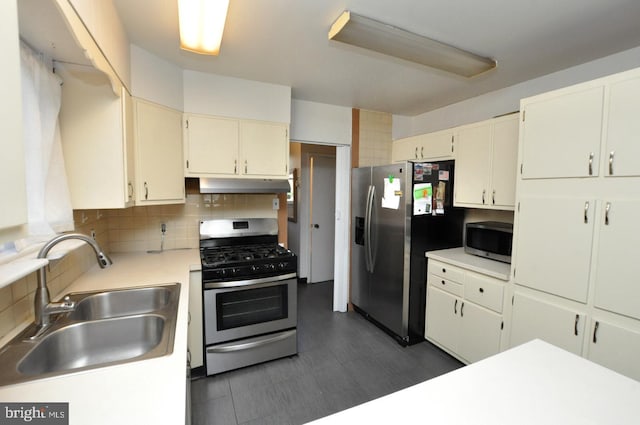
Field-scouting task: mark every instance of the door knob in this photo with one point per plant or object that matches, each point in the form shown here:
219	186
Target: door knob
316	226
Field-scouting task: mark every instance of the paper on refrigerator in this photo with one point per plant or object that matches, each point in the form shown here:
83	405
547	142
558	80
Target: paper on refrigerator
392	193
422	195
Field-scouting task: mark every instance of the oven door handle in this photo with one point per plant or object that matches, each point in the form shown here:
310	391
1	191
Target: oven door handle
249	282
240	346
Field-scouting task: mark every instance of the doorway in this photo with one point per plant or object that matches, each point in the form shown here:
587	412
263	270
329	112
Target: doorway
322	182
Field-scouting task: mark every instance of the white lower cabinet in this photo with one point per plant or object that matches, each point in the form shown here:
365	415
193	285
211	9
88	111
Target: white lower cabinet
464	312
615	347
533	317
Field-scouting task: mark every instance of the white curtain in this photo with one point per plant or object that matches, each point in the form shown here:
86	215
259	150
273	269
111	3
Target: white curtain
48	199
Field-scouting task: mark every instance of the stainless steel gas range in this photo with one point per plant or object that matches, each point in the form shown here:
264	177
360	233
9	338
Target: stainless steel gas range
249	293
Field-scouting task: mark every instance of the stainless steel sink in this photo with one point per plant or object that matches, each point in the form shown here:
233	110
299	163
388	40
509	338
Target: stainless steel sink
120	303
106	328
101	342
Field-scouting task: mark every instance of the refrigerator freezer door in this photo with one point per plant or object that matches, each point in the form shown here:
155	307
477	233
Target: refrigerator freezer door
387	252
360	188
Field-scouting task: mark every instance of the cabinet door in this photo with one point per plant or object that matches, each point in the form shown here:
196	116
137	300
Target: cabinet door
615	347
212	146
503	162
436	146
533	318
442	320
404	149
481	332
553	245
12	177
617	285
561	135
623	129
473	163
160	177
129	159
264	148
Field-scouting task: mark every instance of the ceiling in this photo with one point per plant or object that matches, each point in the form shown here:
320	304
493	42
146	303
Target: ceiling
285	42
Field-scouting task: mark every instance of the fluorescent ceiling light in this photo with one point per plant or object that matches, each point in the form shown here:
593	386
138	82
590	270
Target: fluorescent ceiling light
202	24
370	34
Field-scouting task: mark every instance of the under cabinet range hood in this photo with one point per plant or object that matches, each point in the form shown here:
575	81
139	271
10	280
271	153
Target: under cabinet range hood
214	185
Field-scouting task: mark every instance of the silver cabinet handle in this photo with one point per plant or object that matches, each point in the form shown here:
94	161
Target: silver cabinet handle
591	164
146	191
416	153
575	325
462	309
611	163
455	307
493	197
606	213
235	166
483	193
245	166
595	332
422	152
586	212
130	190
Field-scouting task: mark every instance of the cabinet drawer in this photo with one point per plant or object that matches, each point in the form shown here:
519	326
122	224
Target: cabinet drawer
484	290
445	284
446	271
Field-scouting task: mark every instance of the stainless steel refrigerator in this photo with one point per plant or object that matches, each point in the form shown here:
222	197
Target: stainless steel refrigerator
398	212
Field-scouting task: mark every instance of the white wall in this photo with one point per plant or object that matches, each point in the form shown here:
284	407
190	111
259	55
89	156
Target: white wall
320	123
155	79
234	97
508	99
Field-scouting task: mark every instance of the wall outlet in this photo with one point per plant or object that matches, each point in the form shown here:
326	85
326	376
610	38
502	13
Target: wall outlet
276	203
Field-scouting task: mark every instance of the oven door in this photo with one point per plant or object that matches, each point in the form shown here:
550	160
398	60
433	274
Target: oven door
241	309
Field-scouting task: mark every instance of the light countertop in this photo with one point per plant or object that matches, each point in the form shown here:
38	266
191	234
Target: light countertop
457	257
144	392
535	383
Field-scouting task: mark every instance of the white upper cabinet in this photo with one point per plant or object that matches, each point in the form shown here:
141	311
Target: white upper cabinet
486	164
227	147
96	128
211	146
13	213
622	153
436	146
158	142
264	149
561	134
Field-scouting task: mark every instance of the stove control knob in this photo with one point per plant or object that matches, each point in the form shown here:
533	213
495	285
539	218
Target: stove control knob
281	266
254	268
223	272
271	267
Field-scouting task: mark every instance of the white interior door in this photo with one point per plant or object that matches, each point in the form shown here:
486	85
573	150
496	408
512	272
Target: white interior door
322	217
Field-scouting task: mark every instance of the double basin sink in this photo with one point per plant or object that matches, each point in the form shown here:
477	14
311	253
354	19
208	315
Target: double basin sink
105	328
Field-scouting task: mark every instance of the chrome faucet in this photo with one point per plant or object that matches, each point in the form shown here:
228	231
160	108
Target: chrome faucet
44	308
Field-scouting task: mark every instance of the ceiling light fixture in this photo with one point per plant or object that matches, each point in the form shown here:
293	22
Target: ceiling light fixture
360	31
202	24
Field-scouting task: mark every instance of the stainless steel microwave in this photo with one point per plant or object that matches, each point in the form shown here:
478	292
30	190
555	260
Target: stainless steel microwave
489	239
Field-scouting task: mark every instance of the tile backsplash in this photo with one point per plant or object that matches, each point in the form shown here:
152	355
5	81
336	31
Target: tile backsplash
127	230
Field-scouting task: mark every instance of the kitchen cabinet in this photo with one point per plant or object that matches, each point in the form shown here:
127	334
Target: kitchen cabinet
96	128
463	313
575	238
486	164
435	146
195	334
13	192
615	346
561	134
553	244
617	265
622	149
227	147
158	153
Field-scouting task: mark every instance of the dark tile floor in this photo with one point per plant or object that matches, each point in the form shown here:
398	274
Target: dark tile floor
343	360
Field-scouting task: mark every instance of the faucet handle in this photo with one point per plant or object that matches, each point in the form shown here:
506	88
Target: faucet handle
66	301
